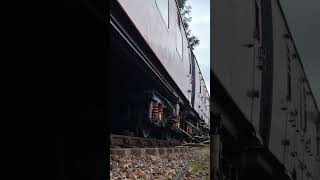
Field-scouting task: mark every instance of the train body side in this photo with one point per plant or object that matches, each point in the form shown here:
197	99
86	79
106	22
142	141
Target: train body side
295	112
256	61
167	38
162	37
233	60
201	99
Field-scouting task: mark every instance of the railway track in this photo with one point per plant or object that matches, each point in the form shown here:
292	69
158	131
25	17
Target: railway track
122	141
182	172
159	163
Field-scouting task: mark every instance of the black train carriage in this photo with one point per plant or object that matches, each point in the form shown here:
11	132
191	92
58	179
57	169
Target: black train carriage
269	117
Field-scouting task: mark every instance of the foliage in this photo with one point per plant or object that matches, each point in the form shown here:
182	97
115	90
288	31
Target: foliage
185	11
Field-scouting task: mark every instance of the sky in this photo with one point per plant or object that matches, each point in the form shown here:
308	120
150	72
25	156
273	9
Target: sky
200	27
303	19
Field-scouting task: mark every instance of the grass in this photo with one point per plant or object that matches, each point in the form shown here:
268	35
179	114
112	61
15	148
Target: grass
196	166
201	163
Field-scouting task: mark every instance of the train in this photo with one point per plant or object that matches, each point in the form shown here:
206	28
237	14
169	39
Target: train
268	118
157	86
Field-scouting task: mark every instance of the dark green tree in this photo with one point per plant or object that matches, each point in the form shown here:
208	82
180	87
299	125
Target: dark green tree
185	11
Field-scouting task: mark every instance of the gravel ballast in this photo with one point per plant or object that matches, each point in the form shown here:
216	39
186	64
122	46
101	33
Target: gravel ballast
160	167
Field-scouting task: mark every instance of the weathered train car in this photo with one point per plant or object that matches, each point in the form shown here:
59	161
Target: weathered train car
161	26
158	38
201	99
293	129
257	63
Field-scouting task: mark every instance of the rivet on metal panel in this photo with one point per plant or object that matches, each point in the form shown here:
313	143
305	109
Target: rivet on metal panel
253	93
291	120
294	154
249	45
285	142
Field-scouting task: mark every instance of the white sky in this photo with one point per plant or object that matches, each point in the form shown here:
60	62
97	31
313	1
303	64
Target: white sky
200	27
